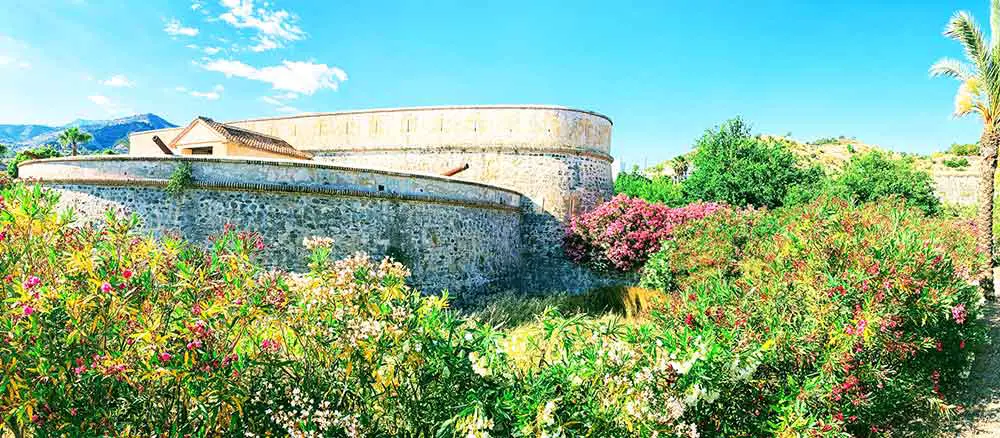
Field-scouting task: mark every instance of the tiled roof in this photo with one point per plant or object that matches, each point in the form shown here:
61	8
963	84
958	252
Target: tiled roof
254	140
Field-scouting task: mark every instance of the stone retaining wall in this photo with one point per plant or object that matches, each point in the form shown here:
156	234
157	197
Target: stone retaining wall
455	235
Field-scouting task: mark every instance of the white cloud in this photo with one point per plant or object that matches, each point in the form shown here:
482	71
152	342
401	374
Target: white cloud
175	28
215	94
192	46
294	76
109	106
274	27
10	60
264	44
118	81
271	100
196	6
287	109
211	50
100	100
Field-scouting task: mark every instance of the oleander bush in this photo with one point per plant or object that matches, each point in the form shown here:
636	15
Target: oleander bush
834	318
104	331
824	320
621	234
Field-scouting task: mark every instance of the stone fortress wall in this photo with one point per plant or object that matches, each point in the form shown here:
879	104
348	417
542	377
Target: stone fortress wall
452	234
557	159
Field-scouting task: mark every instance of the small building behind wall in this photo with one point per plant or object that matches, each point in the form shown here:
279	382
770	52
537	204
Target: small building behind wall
204	136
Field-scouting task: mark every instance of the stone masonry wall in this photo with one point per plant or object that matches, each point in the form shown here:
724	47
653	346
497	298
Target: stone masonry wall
556	186
467	239
557	158
961	189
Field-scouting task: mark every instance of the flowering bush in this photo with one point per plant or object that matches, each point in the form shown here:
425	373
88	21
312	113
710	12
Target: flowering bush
832	318
622	233
107	332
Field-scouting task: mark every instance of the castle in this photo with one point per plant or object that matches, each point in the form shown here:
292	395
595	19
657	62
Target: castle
469	197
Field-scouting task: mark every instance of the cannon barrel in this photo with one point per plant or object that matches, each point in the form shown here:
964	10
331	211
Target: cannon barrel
453	172
163	147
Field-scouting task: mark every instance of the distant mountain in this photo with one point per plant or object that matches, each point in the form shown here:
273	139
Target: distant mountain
107	133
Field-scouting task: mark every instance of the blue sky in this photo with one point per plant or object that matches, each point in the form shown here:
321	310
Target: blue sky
664	71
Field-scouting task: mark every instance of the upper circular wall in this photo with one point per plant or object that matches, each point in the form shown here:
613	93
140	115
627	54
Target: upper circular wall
500	127
269	175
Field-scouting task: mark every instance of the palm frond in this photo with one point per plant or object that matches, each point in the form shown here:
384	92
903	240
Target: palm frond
952	68
963	28
994	25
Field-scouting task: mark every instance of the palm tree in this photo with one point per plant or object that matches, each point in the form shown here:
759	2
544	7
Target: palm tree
73	136
979	94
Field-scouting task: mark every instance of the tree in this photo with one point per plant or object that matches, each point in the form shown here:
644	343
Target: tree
735	167
979	94
73	136
877	175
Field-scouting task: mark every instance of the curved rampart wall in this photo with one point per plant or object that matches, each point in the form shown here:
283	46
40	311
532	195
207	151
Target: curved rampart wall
456	235
558	158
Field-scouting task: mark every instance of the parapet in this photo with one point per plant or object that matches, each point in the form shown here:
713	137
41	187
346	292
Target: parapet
495	127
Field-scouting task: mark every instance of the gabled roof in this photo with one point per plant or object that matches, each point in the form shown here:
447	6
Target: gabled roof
247	138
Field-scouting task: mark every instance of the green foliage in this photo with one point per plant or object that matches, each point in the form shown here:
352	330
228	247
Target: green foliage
830	140
33	154
821	318
73	137
799	322
4	150
877	175
181	179
966	149
956	163
660	189
737	168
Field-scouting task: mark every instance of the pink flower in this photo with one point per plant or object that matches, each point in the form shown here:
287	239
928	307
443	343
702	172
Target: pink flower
958	312
269	345
194	345
28	310
165	357
196	310
80	369
106	287
127	274
31	282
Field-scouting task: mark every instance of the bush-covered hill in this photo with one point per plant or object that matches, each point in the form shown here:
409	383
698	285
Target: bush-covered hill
107	133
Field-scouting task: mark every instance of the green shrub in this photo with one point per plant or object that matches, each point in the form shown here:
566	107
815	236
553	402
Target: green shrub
32	154
734	167
827	318
877	175
180	180
968	150
956	163
660	189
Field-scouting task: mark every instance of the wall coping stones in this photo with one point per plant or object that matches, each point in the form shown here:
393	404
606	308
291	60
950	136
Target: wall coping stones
253	175
468	149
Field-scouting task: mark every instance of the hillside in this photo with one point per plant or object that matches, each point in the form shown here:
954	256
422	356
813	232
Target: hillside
107	133
832	154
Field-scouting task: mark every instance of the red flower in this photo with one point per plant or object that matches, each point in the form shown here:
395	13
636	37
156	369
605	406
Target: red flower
127	274
164	357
